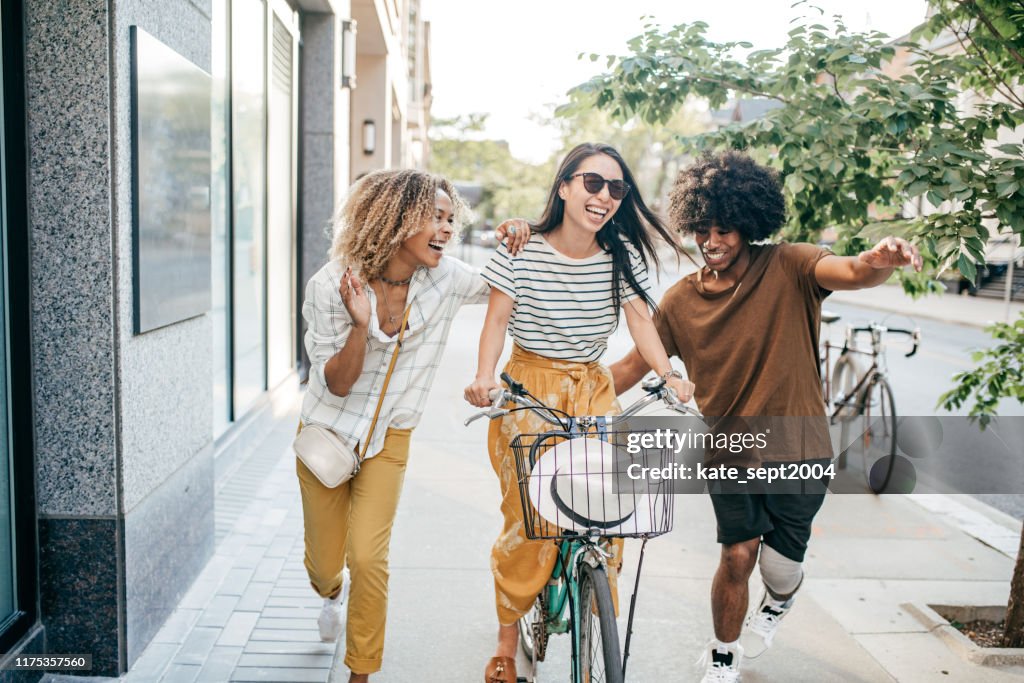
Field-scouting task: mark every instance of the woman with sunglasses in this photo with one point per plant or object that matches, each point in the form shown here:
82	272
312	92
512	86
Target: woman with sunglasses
586	259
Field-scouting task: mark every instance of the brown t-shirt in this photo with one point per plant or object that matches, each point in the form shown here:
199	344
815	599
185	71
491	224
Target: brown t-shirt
752	350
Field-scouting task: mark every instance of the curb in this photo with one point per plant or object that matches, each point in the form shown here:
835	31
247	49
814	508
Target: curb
957	641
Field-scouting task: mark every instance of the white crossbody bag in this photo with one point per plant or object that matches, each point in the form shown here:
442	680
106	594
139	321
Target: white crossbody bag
322	451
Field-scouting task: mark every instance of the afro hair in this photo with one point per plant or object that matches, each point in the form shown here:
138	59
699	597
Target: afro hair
731	191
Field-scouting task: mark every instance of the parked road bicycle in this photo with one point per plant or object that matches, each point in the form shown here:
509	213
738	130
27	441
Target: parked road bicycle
576	458
859	397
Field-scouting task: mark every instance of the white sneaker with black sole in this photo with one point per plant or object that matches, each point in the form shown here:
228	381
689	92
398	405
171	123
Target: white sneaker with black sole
721	664
332	616
763	623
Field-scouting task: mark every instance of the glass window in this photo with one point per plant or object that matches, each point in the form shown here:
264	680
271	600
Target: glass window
7	604
248	170
219	220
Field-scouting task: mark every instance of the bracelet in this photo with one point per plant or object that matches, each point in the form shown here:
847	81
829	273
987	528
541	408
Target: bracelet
671	373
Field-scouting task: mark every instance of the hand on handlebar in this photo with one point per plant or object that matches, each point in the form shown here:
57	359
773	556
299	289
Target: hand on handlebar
684	388
479	393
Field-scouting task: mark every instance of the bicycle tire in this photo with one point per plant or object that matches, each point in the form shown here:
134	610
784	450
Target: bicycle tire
878	438
599	659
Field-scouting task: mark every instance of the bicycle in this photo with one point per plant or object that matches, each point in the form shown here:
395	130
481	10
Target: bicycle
577	599
852	391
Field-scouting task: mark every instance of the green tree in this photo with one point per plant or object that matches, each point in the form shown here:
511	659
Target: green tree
857	145
867	128
511	187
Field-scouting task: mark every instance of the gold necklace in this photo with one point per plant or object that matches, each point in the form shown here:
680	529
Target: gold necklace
392	320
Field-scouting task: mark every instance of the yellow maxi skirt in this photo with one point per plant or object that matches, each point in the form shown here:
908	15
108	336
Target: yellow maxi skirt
522	567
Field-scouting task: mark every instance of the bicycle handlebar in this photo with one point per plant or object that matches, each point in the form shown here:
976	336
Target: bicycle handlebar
656	390
914	334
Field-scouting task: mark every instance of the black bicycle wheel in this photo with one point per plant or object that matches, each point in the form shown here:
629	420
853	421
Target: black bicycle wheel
599	659
877	441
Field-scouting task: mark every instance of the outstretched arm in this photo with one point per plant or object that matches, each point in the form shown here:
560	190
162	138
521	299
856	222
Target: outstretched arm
645	336
492	341
869	268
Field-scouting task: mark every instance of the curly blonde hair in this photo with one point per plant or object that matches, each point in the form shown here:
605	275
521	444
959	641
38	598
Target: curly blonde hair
383	209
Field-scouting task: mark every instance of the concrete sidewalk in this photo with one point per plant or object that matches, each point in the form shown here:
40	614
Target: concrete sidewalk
949	308
251	615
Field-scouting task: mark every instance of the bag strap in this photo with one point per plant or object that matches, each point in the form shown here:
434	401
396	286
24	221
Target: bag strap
384	389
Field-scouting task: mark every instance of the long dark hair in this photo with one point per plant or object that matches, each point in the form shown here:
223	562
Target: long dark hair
632	222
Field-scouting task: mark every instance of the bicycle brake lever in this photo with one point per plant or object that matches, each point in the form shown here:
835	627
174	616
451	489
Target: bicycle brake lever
489	414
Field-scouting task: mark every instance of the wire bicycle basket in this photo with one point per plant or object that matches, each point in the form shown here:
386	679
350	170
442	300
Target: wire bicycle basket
573	484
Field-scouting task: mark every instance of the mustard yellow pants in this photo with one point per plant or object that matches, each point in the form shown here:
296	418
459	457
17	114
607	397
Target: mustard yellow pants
522	567
352	524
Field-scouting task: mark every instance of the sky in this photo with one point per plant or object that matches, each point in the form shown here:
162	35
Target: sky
513	59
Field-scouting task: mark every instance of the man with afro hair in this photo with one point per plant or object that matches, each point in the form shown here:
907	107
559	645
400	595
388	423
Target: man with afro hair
746	327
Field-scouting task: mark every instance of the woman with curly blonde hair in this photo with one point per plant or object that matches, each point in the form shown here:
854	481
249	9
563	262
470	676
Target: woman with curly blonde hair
387	270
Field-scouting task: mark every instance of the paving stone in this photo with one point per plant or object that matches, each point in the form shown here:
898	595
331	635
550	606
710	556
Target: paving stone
291	612
285	635
255	597
181	673
177	626
289	647
291	624
218	611
268	569
197	645
279	675
219	665
238	628
291	660
236	581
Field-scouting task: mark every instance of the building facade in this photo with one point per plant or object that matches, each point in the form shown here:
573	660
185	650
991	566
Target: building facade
114	440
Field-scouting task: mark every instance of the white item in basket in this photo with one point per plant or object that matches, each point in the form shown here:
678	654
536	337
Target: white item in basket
573	487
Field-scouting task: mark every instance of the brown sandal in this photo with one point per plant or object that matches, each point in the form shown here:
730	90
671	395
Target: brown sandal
500	670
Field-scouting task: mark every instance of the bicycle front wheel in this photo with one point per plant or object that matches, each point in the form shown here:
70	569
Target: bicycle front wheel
878	439
599	659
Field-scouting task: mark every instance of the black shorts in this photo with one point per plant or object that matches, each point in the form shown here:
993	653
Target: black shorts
783	521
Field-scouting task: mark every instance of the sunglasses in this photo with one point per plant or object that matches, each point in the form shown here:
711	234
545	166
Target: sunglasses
593	182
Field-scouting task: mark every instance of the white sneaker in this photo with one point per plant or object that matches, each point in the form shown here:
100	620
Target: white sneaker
332	615
721	664
763	623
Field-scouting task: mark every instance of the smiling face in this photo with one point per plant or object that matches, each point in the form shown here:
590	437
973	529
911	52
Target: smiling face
426	247
723	249
586	210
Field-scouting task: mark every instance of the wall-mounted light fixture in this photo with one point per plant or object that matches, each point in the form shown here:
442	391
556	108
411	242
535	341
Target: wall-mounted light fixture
348	54
369	137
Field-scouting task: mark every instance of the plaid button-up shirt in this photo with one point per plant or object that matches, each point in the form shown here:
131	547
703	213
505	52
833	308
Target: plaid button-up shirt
436	295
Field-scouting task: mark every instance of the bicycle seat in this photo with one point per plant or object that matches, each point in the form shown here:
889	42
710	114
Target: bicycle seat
828	317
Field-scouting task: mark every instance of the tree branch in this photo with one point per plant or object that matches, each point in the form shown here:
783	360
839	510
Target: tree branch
991	75
736	86
835	86
983	18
